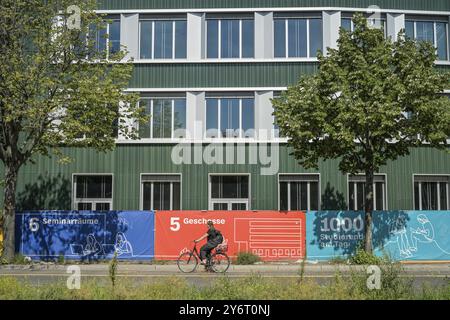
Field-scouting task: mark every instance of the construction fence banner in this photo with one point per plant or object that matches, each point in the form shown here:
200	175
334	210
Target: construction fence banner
401	235
86	235
272	235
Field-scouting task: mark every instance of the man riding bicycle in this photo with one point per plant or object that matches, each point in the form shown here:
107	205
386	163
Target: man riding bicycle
214	238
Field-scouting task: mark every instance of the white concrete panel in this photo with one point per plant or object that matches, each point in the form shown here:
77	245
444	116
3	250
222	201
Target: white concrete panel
129	34
195	115
196	36
331	22
395	23
263	114
264	38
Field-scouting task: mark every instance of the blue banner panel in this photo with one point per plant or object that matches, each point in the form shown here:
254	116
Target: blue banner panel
403	235
86	235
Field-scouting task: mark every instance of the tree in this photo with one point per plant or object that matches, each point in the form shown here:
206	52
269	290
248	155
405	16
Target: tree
59	86
370	102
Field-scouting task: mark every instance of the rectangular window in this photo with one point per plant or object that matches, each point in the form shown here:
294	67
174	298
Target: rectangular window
230	38
163	39
348	25
356	192
230	117
431	192
435	32
298	192
114	37
106	37
93	192
161	192
167	118
297	37
229	192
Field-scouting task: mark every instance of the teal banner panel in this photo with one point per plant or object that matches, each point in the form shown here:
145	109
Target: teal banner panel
403	235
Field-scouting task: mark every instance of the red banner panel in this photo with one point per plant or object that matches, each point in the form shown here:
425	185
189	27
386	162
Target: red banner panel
272	235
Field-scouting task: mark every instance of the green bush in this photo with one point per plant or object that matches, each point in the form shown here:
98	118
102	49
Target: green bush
364	258
246	258
61	259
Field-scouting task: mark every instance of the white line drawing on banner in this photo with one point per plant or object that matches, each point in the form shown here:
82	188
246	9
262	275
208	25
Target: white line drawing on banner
93	247
408	246
424	234
123	246
269	237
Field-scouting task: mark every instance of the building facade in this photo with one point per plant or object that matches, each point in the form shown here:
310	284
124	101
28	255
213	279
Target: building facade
206	71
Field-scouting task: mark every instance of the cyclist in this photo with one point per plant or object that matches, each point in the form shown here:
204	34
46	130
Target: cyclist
214	238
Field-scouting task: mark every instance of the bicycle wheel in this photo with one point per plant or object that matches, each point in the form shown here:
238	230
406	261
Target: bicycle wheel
220	262
187	262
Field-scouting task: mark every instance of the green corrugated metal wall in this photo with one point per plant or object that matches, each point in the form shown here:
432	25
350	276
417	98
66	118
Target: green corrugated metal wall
222	75
47	184
200	75
434	5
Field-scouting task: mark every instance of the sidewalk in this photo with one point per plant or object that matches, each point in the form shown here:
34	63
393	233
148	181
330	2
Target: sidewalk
141	269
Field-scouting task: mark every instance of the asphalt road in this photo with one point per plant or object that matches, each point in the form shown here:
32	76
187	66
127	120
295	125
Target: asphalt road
431	274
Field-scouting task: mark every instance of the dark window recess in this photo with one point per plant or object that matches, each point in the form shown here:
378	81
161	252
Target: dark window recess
229	187
94	187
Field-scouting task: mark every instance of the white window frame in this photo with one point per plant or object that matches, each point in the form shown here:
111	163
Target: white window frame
414	21
173	58
219	40
308	189
141	191
308	40
212	201
107	40
438	190
93	201
219	110
385	189
172	121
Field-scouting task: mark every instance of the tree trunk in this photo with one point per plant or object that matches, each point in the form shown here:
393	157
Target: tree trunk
368	208
11	172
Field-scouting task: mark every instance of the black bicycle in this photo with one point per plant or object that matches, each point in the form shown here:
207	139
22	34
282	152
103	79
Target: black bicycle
218	261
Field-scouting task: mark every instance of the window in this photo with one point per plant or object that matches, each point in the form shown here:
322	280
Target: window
167	118
435	32
297	37
230	38
229	192
348	25
161	192
93	192
107	36
298	192
230	117
431	192
163	39
356	192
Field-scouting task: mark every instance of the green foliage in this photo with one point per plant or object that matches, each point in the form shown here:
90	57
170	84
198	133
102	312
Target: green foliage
339	260
371	102
364	258
20	259
381	94
250	288
61	259
51	92
113	269
247	258
56	88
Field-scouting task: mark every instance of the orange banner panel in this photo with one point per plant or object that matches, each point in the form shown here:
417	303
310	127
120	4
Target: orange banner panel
272	235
